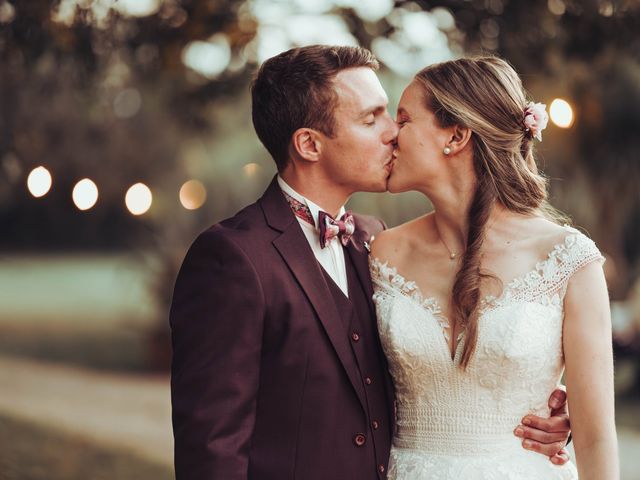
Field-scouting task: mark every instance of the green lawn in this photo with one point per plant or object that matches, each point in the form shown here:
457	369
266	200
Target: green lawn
31	452
92	310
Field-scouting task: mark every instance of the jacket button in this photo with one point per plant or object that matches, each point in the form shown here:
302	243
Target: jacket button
381	468
375	425
359	439
355	337
368	381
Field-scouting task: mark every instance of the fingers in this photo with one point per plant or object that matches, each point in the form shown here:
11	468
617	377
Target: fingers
540	436
560	458
546	449
557	423
558	398
548	436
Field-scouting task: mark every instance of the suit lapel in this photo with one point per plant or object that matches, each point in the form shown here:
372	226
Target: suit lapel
360	260
294	249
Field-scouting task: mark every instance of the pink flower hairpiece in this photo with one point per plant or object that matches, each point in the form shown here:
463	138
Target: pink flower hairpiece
535	119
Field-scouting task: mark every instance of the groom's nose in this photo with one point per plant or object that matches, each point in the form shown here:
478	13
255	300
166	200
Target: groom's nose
391	132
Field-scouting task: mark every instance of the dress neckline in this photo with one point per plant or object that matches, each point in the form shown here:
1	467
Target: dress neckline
513	289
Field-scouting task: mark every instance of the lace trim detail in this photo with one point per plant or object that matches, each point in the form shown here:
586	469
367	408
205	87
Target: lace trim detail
546	283
514	463
385	275
424	418
467	433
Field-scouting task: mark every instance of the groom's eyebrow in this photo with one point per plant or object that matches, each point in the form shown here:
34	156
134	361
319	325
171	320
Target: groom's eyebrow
375	110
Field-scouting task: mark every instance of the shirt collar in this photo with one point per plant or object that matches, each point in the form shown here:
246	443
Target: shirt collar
313	208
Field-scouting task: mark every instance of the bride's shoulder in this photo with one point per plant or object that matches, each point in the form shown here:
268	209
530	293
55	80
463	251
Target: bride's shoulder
545	233
394	242
545	236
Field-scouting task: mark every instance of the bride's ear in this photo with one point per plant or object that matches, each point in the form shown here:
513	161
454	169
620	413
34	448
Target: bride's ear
459	138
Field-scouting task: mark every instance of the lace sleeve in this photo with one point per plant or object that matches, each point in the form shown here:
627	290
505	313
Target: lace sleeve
579	252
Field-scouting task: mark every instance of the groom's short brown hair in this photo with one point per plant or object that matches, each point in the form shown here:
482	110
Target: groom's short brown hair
294	90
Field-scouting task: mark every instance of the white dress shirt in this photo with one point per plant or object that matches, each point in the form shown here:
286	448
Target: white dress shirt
331	257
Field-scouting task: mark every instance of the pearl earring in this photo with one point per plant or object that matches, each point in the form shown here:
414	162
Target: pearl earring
446	150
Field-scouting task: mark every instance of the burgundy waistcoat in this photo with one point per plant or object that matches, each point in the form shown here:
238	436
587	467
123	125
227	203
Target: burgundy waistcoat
359	324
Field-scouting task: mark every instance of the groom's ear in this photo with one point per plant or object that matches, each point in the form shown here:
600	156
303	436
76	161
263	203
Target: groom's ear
306	144
459	138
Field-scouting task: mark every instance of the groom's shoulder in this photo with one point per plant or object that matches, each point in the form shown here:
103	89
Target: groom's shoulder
245	230
245	221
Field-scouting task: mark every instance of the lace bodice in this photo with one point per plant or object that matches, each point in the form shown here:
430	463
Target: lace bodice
445	412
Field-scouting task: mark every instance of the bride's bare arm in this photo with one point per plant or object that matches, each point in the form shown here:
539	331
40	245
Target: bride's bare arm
589	374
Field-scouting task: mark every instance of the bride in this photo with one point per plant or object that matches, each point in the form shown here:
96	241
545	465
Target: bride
483	302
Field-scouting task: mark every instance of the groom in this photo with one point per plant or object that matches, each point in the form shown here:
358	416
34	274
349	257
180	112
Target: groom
277	370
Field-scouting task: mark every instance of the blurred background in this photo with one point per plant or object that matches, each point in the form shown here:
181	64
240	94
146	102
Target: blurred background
125	130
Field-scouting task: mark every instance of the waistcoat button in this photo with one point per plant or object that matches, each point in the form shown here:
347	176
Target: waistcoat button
359	439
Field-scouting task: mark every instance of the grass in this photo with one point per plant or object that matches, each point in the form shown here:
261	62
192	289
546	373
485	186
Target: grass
31	452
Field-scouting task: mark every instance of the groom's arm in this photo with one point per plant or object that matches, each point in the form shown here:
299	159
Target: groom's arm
548	436
216	330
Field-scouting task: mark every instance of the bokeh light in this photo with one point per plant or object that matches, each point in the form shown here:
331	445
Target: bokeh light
209	58
250	169
561	113
127	103
557	7
418	40
39	182
193	194
85	194
138	199
137	8
7	12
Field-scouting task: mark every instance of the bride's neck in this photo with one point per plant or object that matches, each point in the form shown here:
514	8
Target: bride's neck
452	223
450	215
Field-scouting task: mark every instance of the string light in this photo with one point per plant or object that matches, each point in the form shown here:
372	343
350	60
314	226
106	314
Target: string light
561	113
138	199
39	182
192	194
85	194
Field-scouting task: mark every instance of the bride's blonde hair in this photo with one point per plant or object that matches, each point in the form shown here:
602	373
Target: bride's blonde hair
486	95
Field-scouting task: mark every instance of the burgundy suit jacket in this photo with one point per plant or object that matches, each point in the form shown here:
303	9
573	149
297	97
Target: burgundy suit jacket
265	383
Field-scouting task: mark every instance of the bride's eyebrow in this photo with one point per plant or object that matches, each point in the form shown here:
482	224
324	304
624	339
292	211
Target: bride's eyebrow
402	111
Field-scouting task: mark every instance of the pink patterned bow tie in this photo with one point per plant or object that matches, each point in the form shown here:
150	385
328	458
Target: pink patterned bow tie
331	228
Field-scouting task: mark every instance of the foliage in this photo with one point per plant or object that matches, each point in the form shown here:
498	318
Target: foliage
105	94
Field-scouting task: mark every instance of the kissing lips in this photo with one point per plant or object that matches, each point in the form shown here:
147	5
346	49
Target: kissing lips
389	165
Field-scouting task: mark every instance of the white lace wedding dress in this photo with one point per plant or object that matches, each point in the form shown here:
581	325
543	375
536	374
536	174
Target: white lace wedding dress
458	425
